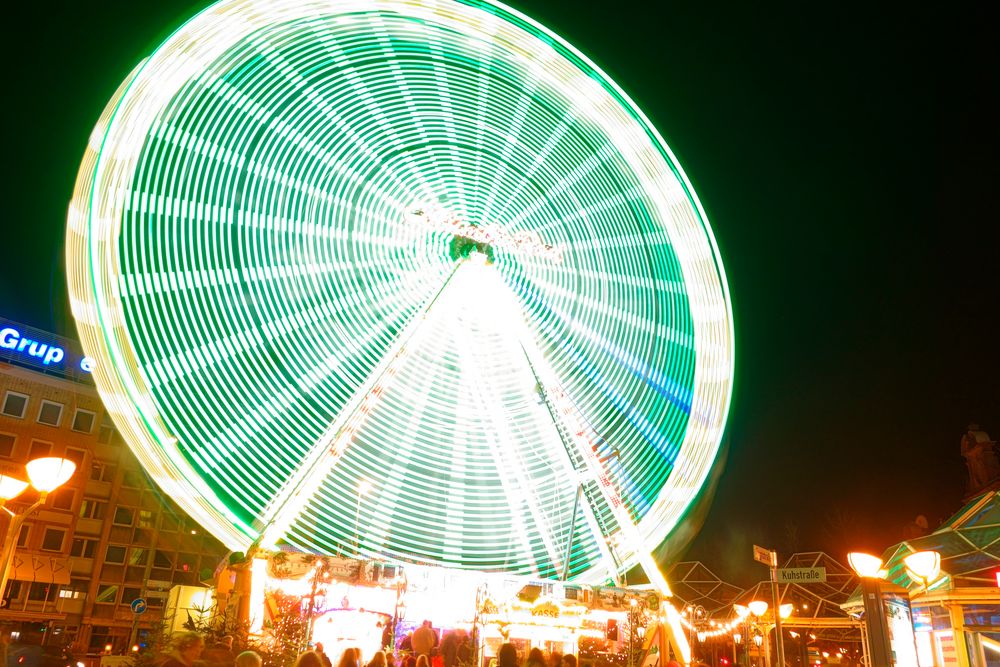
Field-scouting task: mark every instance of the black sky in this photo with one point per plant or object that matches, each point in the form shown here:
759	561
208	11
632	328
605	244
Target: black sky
845	156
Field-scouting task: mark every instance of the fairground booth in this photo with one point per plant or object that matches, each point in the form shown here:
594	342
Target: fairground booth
940	596
371	605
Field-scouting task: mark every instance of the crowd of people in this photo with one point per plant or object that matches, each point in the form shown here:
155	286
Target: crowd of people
421	648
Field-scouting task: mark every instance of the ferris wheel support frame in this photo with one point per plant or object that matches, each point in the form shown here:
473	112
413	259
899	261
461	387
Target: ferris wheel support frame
288	503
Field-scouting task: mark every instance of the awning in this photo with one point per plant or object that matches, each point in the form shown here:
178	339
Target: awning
47	569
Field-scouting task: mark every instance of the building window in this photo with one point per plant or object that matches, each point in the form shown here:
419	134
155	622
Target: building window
50	413
83	548
42	590
146	519
129	594
76	456
102	472
124	516
63	499
39	448
7	445
75	590
139	556
14	404
168	523
107	594
115	554
100	635
91	508
83	420
163	559
22	537
107	430
54	538
187	562
132	479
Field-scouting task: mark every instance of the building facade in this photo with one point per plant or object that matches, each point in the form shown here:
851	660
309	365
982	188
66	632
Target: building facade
106	538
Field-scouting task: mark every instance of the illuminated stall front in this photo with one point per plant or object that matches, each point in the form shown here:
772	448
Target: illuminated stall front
368	605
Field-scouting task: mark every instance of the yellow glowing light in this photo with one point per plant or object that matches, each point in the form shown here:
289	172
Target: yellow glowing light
785	610
11	487
924	566
866	565
50	472
758	607
741	610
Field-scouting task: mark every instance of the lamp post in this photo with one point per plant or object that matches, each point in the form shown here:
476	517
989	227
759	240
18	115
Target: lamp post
869	569
757	609
45	474
694	612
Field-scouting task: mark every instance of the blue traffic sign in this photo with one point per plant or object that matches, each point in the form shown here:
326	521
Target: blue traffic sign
138	605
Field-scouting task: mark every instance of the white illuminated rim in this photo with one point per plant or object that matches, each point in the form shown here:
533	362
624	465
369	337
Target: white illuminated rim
113	284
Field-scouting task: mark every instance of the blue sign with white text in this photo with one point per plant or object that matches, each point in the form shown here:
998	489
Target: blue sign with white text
27	345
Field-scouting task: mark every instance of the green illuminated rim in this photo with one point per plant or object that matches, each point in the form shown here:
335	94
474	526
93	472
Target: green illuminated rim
297	358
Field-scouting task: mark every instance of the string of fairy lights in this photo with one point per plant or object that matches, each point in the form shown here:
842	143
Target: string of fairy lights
336	262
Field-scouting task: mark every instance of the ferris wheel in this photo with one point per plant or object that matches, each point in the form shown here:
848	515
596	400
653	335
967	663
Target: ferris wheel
414	281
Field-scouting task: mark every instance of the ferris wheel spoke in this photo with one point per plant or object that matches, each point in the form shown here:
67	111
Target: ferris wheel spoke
297	492
518	490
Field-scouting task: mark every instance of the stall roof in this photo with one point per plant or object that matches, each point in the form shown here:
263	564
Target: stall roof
969	544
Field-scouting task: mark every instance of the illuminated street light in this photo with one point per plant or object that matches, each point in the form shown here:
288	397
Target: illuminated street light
758	607
869	569
46	474
866	566
923	566
10	487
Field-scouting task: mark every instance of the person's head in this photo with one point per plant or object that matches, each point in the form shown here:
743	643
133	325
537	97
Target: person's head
248	659
378	660
390	659
422	660
189	645
427	624
535	658
309	659
555	659
507	656
569	660
319	647
349	658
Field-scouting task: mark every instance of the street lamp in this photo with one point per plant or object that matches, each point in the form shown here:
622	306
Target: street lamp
45	474
758	608
695	614
923	566
869	569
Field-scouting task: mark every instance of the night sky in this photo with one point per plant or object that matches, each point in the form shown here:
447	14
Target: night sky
843	154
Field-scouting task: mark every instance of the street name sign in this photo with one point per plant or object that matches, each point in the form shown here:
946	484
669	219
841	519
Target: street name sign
801	575
762	555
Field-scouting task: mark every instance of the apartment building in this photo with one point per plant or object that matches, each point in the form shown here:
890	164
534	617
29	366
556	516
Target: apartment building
106	538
